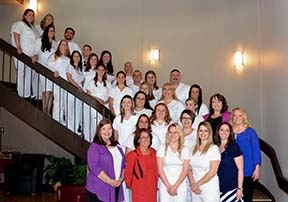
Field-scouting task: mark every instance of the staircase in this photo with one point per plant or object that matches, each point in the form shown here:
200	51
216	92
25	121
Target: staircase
67	139
32	115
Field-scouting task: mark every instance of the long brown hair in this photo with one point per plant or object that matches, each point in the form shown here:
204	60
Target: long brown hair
58	52
210	138
98	139
167	117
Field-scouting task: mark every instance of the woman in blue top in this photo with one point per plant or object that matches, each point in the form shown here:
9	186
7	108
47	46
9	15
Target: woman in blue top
248	141
230	171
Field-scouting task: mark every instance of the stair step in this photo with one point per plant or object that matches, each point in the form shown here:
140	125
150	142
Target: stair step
260	197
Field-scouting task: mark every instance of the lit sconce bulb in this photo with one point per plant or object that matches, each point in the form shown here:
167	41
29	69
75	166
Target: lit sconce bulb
238	59
33	5
155	55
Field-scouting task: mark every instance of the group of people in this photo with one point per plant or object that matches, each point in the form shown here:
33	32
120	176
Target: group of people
164	144
183	164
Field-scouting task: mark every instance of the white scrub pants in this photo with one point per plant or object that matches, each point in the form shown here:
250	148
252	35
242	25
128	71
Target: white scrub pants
24	75
166	197
87	123
74	113
59	104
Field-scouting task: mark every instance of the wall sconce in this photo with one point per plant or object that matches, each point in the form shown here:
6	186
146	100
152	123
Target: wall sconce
238	59
33	4
154	55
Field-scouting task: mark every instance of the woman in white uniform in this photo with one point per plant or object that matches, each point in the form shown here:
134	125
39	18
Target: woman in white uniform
45	46
48	19
151	79
106	60
190	135
147	89
89	75
192	104
58	63
23	37
187	118
160	119
173	164
124	124
196	93
99	89
204	162
142	122
74	76
169	98
142	105
117	93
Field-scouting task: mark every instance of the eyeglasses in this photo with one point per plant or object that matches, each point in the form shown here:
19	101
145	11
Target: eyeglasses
139	98
148	137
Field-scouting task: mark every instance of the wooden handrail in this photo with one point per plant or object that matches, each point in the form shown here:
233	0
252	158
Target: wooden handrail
38	120
271	154
89	100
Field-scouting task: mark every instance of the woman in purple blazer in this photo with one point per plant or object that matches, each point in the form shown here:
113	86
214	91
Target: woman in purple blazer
218	113
106	162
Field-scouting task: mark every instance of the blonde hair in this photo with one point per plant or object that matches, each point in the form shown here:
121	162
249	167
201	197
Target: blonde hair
180	140
210	138
171	87
246	122
43	21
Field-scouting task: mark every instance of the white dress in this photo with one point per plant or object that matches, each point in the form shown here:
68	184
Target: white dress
173	166
116	94
59	103
28	39
45	84
88	133
200	166
124	130
91	117
74	108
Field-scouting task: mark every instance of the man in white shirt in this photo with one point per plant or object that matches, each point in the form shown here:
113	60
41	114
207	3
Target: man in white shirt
69	35
128	69
182	89
137	80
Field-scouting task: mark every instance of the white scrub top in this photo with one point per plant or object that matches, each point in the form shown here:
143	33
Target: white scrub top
28	37
99	91
173	166
125	128
117	96
182	92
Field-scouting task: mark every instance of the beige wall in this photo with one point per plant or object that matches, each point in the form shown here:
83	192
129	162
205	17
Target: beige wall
20	137
274	76
198	37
